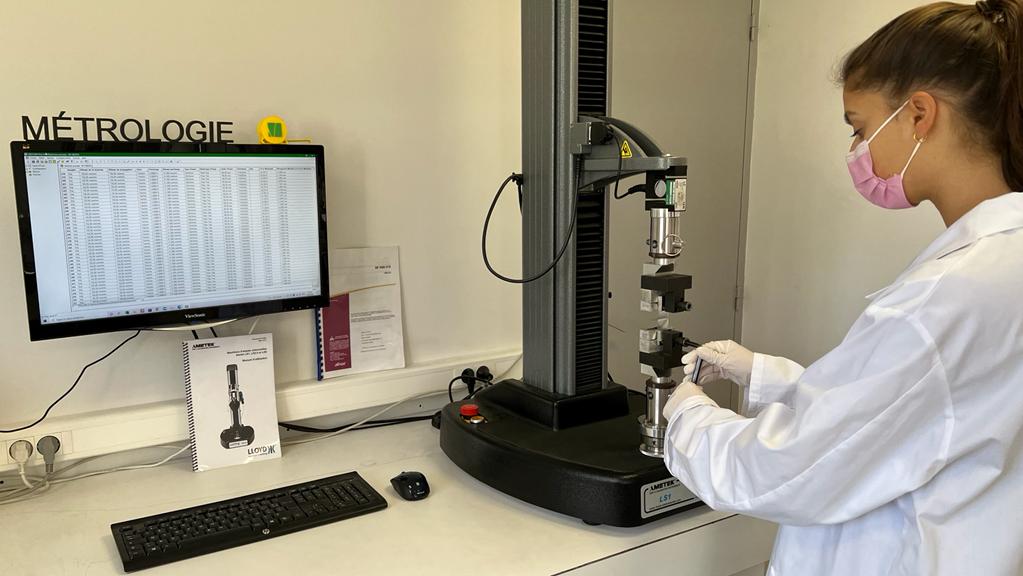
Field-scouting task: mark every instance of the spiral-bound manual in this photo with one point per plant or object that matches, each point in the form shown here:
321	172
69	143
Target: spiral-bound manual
361	329
231	400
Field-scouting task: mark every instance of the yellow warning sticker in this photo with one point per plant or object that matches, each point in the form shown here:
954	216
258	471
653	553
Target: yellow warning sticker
626	151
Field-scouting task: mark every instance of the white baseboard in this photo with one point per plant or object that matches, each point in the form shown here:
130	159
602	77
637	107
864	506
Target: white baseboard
110	431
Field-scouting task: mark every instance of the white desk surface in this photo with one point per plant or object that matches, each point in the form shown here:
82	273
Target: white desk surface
464	526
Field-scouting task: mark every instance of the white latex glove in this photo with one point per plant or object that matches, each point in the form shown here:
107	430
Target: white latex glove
721	360
684	391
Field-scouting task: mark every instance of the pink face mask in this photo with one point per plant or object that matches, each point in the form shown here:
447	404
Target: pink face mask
886	193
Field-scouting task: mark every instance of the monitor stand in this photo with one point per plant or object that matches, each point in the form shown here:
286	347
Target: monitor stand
198	326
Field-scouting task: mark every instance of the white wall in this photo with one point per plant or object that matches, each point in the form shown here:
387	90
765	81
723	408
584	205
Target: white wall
685	85
417	104
815	248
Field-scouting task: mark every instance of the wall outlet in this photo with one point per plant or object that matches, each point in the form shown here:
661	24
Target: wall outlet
499	368
457	372
66	447
476	384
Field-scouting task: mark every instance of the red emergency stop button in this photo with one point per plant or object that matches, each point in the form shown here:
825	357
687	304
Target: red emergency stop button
469	410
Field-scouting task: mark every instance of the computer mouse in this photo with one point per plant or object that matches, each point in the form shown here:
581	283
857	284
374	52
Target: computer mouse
411	485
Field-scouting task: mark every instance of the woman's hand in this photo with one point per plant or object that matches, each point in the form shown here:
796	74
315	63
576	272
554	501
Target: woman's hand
721	360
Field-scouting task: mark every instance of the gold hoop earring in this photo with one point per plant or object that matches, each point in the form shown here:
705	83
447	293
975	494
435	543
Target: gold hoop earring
918	140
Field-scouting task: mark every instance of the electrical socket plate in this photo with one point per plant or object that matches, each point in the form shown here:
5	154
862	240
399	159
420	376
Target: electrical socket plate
66	447
457	373
498	367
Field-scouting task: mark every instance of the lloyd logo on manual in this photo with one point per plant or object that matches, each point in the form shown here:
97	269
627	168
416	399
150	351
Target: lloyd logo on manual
263	450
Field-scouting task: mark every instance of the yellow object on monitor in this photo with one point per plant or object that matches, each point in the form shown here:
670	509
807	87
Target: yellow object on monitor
272	130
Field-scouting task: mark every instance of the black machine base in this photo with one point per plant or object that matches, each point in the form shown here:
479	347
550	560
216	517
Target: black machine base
237	436
592	471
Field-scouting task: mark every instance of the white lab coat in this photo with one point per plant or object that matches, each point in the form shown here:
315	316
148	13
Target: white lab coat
901	450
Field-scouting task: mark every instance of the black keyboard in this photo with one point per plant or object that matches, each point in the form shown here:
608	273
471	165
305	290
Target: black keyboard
173	536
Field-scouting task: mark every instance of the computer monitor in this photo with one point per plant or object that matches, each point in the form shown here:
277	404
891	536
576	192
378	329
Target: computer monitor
118	236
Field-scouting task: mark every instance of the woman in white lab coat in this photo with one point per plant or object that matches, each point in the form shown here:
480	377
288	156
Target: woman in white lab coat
901	450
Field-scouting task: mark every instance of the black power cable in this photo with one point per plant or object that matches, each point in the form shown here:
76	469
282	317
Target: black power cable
451	384
371	424
557	257
634	190
474	392
618	177
80	374
517	178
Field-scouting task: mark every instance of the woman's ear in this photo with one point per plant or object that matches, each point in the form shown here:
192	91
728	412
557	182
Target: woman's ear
924	108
